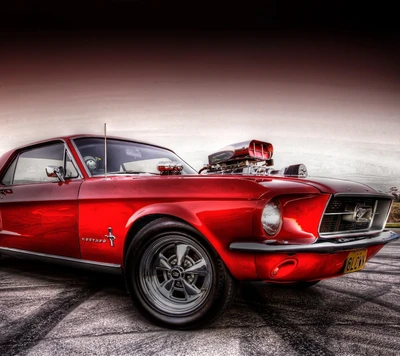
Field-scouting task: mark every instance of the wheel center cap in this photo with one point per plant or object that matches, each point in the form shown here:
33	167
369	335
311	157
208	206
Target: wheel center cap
176	273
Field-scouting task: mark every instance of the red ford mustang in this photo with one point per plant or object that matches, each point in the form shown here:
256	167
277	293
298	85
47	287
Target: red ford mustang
182	239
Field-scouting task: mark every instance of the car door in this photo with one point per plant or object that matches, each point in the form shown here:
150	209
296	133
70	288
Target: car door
39	213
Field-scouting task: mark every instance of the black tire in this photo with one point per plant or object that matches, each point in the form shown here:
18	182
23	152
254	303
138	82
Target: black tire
175	277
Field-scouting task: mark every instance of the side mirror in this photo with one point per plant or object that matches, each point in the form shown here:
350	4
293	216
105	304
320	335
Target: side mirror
56	172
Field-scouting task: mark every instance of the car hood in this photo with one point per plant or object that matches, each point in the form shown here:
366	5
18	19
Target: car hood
334	185
217	187
192	187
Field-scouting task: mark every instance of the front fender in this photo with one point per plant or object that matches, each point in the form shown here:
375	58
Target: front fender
219	222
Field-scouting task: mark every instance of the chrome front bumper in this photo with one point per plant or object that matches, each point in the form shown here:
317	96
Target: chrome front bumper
318	247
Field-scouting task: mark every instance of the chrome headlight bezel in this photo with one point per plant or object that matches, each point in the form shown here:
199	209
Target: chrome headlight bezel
271	217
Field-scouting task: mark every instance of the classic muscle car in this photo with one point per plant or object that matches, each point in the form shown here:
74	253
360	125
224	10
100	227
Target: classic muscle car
183	239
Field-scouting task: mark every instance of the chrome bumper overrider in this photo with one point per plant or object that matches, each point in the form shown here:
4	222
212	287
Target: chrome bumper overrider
318	247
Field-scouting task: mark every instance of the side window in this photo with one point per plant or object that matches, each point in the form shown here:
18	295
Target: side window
30	166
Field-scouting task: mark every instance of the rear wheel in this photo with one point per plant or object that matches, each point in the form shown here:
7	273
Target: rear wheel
175	277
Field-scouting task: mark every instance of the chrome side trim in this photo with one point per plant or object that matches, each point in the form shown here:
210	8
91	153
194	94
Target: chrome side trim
60	259
319	247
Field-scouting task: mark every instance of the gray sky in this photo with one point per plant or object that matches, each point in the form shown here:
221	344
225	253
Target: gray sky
334	107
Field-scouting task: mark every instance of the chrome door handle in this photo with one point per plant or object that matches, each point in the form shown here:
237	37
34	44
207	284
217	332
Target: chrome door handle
4	192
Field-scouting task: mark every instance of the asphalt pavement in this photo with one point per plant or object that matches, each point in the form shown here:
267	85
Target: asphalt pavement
51	310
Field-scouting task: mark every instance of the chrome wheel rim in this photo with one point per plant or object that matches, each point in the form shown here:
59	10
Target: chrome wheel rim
175	275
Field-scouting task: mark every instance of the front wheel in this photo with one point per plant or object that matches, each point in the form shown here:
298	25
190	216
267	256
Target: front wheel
175	277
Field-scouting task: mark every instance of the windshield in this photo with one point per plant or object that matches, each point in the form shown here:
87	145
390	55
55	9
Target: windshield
125	157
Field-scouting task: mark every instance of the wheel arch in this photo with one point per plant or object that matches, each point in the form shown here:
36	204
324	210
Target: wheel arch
145	220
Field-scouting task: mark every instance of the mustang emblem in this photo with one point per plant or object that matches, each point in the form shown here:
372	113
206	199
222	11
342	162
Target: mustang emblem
362	213
110	236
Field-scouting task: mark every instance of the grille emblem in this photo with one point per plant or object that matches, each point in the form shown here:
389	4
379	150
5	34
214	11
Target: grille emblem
362	213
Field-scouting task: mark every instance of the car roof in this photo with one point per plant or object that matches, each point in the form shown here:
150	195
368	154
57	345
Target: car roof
75	136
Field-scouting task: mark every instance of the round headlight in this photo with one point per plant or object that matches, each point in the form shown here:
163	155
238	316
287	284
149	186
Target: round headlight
271	217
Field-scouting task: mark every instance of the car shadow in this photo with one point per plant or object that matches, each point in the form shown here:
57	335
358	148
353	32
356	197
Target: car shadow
45	272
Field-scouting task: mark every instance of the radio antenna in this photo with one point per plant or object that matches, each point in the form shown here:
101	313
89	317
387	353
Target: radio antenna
105	150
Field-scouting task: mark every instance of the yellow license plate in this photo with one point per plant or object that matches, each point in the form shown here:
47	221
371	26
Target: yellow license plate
355	261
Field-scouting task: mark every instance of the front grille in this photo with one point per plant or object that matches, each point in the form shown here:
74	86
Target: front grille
334	223
338	205
341	218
